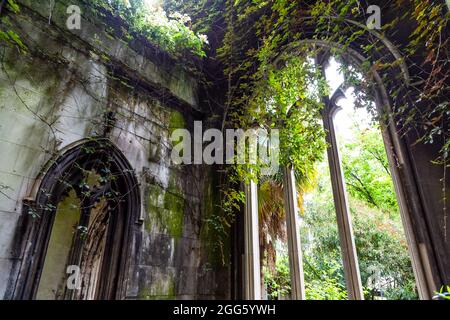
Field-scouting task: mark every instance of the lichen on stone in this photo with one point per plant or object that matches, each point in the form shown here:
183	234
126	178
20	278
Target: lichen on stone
165	211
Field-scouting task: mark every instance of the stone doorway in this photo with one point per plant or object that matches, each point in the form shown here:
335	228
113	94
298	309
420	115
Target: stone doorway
82	227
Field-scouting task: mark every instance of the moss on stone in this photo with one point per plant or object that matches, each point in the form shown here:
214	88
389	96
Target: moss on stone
159	290
175	207
217	253
166	210
176	121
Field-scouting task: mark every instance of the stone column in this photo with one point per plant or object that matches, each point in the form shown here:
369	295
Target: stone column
252	268
293	235
349	256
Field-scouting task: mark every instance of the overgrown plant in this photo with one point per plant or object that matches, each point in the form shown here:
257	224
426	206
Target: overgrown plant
169	31
7	33
443	294
258	32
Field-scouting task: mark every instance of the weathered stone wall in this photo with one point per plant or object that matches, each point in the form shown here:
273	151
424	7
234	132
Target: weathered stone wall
59	94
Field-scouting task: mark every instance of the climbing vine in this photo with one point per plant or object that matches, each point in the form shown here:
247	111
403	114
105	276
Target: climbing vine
131	20
266	89
273	84
169	31
258	31
7	33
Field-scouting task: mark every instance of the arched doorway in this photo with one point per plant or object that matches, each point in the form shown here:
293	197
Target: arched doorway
80	234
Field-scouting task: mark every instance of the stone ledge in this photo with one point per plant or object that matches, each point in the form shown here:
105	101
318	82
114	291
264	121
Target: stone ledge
163	75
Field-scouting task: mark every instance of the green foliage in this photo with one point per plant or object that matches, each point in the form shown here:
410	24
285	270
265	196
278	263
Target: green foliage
273	91
206	14
379	238
263	86
366	171
170	32
444	293
423	104
216	228
257	31
288	99
13	6
134	19
278	283
321	281
382	247
7	33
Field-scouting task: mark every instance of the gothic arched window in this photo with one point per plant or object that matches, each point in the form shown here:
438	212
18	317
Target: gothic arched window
80	234
378	103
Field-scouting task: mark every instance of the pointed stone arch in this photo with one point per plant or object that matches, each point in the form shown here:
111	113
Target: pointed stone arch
425	248
421	243
118	188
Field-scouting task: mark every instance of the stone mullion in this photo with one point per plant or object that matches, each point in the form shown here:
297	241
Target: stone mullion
252	267
348	247
293	235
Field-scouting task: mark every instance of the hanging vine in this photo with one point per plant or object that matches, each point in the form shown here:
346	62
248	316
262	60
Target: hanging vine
169	31
262	86
269	83
7	33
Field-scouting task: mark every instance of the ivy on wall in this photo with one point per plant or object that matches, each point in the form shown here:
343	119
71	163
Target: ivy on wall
267	82
171	32
262	86
258	31
7	33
